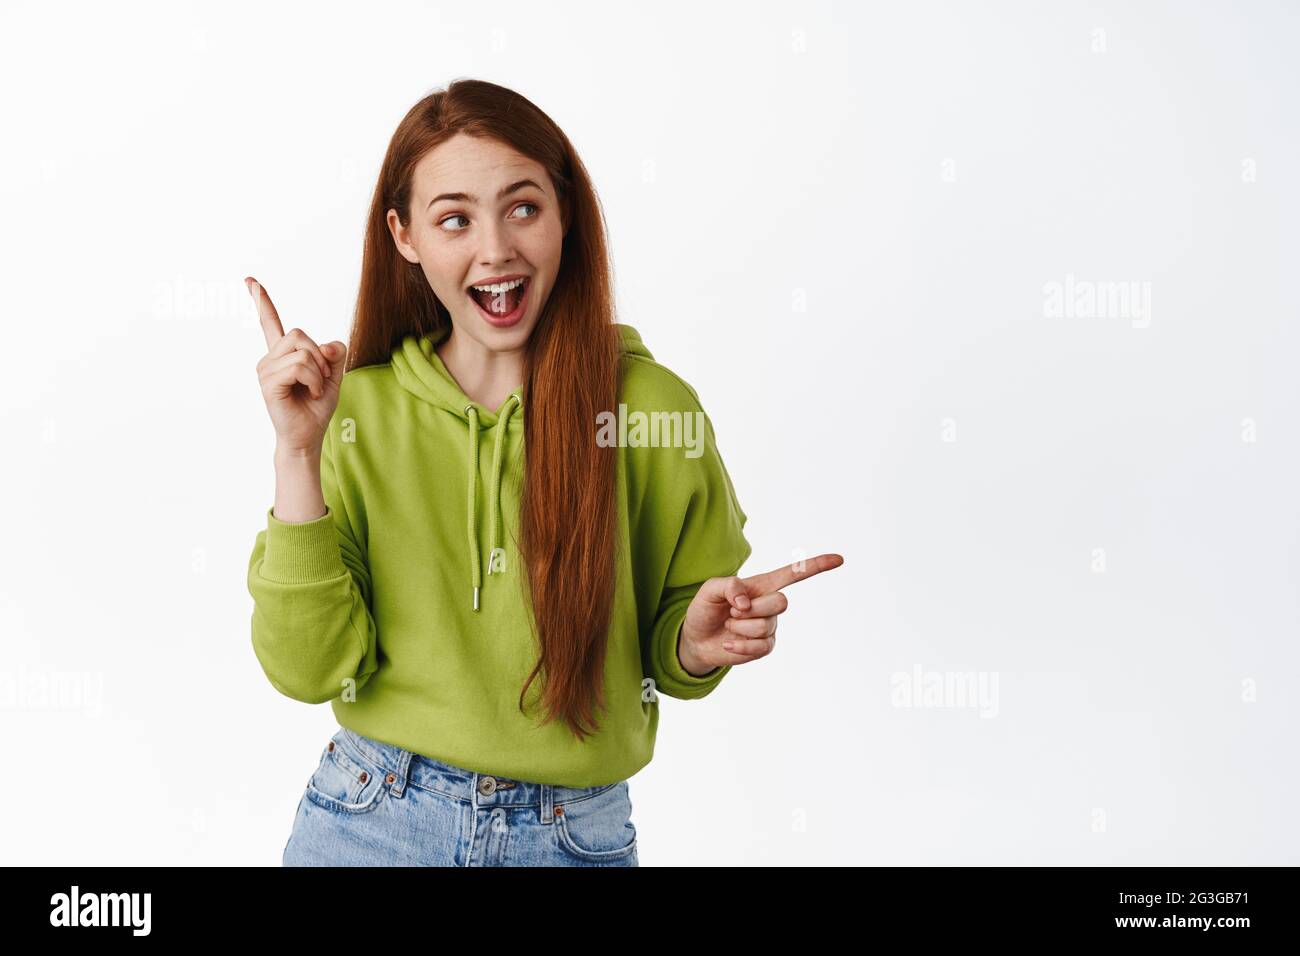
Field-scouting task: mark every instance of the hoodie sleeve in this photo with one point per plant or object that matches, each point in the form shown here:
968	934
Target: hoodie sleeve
312	625
693	526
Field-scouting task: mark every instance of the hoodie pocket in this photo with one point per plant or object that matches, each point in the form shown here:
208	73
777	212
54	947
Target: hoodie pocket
346	781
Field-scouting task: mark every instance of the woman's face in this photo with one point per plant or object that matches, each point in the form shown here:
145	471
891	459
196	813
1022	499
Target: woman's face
481	211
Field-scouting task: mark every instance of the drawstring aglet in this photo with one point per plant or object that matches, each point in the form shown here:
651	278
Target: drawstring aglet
476	599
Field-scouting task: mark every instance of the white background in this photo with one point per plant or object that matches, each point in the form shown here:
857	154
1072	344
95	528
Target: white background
838	222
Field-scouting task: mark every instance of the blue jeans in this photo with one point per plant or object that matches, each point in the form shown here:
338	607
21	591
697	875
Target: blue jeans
373	804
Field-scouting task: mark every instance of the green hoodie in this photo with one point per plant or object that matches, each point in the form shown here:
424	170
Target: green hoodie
404	607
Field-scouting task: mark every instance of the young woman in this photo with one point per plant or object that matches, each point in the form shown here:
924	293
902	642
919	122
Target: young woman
492	629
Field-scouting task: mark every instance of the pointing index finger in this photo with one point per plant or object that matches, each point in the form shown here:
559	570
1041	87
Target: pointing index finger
266	313
782	577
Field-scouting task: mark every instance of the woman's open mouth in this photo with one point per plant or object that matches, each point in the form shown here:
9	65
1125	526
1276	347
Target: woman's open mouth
503	304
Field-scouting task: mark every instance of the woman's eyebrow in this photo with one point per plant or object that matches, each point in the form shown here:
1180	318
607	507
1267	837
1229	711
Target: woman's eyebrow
466	197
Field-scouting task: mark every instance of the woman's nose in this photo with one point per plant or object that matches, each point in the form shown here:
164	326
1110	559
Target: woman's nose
497	247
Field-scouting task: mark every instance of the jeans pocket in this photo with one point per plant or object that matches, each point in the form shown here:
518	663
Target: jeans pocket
597	828
346	780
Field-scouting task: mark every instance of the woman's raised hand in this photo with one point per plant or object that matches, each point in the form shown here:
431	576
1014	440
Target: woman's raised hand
300	379
733	620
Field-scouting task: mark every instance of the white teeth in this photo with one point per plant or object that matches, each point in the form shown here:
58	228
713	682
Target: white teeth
498	287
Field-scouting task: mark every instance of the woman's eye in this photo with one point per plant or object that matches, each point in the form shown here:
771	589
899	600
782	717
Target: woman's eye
445	228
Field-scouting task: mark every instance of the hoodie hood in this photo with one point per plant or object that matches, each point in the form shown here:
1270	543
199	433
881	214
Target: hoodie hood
420	370
630	341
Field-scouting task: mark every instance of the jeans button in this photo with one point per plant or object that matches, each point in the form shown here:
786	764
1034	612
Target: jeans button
487	785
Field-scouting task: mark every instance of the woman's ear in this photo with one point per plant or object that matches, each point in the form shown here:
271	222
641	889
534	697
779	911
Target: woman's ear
401	237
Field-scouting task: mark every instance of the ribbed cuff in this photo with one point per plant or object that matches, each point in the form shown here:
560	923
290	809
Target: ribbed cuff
302	552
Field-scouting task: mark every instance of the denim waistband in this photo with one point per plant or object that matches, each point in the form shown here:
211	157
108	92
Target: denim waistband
399	767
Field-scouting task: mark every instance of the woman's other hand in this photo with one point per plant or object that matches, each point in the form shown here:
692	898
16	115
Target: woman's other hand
300	379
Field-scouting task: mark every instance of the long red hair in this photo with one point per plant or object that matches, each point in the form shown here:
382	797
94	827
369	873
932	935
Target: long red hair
568	522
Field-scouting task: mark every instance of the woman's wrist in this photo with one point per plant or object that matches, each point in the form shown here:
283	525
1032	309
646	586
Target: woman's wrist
298	494
690	662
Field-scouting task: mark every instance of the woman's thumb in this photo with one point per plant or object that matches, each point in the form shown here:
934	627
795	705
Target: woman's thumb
336	352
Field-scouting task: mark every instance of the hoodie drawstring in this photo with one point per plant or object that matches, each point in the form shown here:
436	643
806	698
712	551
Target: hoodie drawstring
512	402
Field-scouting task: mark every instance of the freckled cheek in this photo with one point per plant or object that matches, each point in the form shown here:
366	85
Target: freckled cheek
445	271
445	282
547	251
